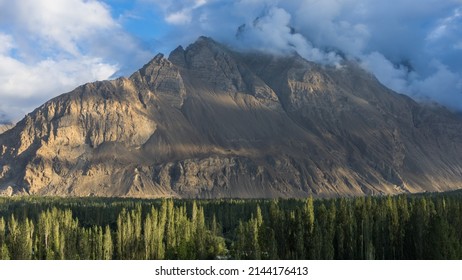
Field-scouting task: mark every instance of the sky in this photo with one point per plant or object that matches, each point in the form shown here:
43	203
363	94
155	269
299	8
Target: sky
49	47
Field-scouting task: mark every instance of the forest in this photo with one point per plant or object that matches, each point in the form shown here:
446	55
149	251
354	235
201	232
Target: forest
423	226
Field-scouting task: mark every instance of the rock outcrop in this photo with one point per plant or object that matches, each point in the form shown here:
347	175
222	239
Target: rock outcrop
209	122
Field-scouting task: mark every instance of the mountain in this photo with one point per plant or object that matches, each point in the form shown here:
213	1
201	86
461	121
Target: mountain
4	127
210	122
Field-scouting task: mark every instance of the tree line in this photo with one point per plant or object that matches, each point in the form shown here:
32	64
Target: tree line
426	226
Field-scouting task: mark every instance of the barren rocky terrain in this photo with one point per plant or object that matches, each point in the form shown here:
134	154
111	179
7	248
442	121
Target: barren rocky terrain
209	122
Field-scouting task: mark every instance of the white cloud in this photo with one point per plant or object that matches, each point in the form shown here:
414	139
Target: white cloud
271	32
49	47
25	86
57	24
446	26
6	43
443	86
179	12
394	77
180	17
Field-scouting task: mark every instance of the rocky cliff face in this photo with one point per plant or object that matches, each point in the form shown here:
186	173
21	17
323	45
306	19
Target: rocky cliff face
209	122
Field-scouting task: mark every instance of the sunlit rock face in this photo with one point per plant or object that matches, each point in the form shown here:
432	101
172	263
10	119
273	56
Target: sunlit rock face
4	127
209	122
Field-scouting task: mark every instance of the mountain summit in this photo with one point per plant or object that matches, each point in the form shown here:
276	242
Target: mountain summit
209	122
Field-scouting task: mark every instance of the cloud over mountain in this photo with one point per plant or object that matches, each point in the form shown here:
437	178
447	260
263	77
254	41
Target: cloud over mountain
412	46
49	47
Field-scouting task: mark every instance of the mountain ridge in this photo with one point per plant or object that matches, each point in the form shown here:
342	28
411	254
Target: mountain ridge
211	122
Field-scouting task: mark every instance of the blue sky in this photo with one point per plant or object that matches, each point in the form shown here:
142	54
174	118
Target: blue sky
49	47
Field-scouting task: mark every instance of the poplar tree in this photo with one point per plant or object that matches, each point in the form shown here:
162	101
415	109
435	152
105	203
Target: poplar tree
4	252
107	244
14	242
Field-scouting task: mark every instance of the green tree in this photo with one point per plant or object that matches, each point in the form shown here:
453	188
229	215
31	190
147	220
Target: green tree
4	252
107	244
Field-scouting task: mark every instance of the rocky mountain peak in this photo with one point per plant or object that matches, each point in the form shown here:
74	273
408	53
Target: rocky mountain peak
177	57
204	42
149	68
210	63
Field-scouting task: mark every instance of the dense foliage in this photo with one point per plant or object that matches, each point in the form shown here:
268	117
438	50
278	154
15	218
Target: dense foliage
400	227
